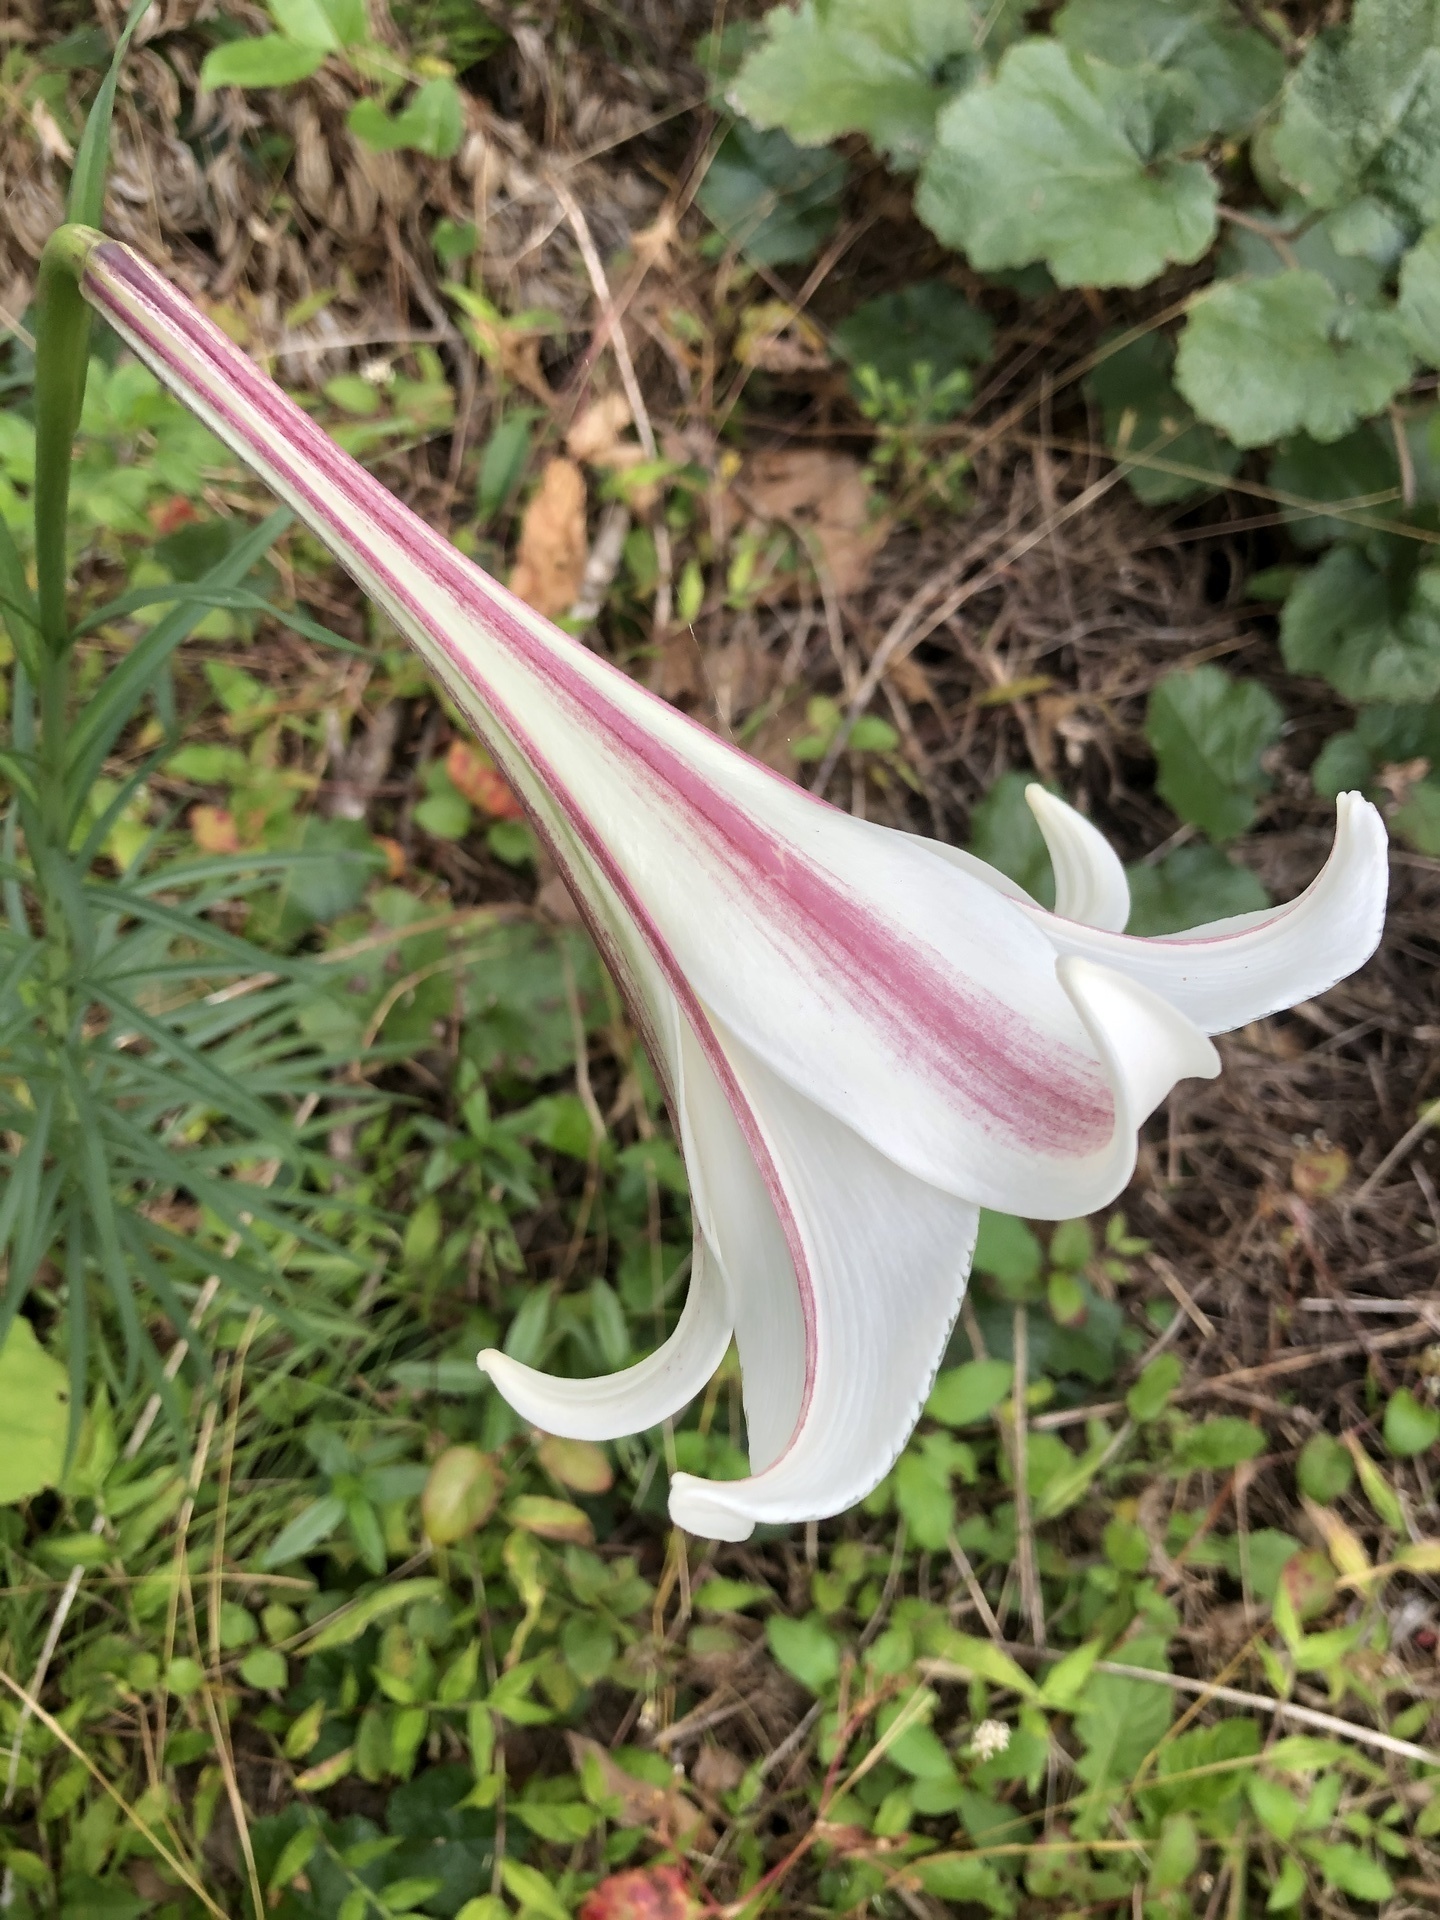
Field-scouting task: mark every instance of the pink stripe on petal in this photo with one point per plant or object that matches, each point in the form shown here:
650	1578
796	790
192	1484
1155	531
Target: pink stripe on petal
969	1042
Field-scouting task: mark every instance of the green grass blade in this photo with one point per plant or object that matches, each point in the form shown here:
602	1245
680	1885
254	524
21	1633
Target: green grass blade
115	700
86	202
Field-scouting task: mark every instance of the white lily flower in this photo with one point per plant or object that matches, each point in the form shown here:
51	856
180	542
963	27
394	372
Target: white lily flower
864	1037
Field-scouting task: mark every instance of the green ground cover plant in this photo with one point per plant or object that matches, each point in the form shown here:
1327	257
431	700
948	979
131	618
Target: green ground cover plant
297	1618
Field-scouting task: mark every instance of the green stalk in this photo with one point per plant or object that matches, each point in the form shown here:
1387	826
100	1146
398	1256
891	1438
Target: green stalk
62	354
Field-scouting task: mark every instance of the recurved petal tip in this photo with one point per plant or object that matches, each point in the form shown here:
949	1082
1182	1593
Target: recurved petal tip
700	1507
1090	883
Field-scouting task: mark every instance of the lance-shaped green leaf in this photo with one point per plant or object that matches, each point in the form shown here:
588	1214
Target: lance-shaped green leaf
863	1036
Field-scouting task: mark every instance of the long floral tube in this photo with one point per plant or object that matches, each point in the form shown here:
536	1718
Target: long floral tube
864	1037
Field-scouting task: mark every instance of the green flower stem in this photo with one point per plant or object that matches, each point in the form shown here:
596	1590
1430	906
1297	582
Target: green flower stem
62	343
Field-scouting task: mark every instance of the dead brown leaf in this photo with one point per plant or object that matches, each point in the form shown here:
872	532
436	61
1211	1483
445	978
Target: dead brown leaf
667	1812
824	495
596	432
550	562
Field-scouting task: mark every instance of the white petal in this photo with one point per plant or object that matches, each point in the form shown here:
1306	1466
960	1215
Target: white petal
1234	971
892	1254
748	1220
1090	883
1146	1047
637	1397
928	1015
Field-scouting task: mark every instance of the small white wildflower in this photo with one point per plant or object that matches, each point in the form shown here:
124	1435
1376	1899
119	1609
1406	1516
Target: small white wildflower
377	372
989	1738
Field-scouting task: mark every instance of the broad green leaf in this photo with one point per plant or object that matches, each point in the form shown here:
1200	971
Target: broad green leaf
1007	1250
1359	471
1190	887
34	1415
1278	242
1411	1427
1417	821
1144	415
805	1648
928	324
1067	1679
966	1878
1363	109
432	123
1349	1870
776	202
1063	159
1289	1887
313	1523
1374	636
987	1662
269	61
1119	1720
964	1395
1150	1395
878	67
1175	1853
1261	359
1005	834
1343	765
1209	732
1217	1444
306	21
1236	71
1324	1470
378	1604
1418	307
923	1496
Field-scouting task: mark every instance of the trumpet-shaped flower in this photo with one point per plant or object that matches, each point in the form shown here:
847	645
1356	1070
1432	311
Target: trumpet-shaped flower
864	1037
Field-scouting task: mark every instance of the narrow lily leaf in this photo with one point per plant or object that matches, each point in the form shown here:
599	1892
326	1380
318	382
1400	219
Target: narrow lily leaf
86	202
120	693
864	1038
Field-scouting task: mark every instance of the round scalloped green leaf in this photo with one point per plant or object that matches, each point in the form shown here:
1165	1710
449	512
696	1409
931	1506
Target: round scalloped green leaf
34	1415
1189	888
1237	71
1208	732
879	67
1418	308
1372	637
1063	159
1363	107
1263	359
1146	420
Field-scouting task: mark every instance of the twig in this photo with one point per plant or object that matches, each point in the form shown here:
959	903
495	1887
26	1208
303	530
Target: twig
1288	1363
1402	1146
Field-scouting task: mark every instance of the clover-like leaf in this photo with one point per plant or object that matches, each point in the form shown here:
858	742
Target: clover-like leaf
1363	109
882	68
1261	359
1237	72
1064	159
1146	421
1208	732
1373	634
